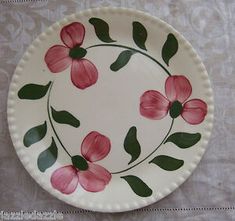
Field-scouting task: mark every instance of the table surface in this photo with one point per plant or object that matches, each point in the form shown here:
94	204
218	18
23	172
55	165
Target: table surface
209	194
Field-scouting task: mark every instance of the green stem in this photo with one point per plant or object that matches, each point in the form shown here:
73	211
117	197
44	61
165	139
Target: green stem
121	171
133	49
49	116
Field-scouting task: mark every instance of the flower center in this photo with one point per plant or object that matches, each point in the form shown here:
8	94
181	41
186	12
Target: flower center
176	109
77	52
79	162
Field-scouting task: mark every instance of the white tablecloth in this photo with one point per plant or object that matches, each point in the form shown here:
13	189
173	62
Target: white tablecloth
209	194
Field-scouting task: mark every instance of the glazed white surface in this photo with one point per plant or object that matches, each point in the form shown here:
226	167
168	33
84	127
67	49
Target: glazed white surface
96	117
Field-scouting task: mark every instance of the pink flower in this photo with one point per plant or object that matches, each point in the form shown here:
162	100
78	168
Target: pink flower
59	57
65	179
92	177
178	89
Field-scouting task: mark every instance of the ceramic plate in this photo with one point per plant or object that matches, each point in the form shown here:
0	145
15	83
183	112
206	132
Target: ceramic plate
110	109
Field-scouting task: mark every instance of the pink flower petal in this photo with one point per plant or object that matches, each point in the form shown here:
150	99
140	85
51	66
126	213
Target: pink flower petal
83	73
65	179
57	58
153	105
178	87
72	34
95	178
95	146
194	111
100	172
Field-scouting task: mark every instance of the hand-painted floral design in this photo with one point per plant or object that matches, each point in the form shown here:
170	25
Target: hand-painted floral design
59	57
178	89
153	105
94	177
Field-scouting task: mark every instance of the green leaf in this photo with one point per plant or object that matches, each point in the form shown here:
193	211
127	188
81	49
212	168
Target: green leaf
101	29
79	162
167	163
122	60
139	34
184	140
77	52
33	91
132	145
169	48
48	157
138	186
35	134
176	109
64	117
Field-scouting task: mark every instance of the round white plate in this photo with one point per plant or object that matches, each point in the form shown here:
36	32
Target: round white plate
110	109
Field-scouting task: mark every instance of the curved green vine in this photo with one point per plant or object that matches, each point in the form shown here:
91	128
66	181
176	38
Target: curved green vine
50	120
168	132
133	49
120	46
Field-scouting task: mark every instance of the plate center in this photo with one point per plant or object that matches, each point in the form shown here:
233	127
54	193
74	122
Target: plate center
111	106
